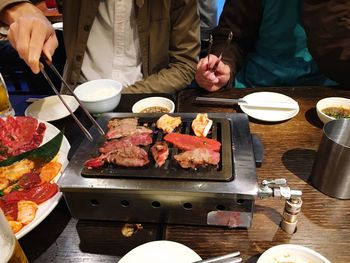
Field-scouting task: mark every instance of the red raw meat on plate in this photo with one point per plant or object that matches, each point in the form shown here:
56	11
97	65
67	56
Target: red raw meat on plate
19	135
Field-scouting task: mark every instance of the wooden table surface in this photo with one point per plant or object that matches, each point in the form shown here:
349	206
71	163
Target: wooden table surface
290	148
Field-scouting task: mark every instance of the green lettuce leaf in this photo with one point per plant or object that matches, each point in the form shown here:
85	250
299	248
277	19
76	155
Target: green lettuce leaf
43	154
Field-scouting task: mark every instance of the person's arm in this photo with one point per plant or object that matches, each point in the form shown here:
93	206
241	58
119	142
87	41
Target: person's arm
327	25
242	18
30	33
184	48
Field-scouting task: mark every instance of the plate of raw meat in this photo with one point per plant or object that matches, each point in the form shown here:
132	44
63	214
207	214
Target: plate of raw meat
28	191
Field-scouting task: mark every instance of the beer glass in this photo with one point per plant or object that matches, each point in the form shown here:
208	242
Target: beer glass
11	250
5	104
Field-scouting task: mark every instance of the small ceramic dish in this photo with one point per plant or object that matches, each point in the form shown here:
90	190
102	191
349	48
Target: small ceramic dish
291	254
154	105
100	95
332	108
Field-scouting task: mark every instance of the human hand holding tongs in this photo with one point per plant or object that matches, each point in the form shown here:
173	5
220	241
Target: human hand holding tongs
228	41
45	61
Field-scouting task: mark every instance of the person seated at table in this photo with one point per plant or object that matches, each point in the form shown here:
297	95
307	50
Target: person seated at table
327	24
147	45
268	48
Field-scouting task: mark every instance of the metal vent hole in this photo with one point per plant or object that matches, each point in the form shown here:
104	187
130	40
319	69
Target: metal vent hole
187	206
125	203
155	204
220	207
240	201
94	202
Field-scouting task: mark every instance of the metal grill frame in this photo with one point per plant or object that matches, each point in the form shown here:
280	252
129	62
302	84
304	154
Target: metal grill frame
167	201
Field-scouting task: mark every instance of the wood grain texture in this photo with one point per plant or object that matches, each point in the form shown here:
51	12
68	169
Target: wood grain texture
290	149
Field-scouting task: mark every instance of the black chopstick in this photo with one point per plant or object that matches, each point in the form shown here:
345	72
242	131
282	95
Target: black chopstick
44	60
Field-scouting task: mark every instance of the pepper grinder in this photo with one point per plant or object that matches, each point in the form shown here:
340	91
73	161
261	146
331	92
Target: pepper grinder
290	214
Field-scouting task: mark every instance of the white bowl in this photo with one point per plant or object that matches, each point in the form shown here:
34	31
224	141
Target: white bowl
139	106
100	95
291	253
330	102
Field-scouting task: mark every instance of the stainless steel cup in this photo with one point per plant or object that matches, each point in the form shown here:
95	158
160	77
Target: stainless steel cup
331	170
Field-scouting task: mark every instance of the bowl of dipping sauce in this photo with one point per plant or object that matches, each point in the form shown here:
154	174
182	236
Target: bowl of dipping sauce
100	95
154	105
289	253
332	108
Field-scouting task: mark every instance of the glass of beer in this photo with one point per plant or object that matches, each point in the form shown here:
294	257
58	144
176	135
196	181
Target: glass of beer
5	104
11	250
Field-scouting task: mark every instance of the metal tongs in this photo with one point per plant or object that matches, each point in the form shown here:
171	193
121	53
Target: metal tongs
228	258
45	61
228	41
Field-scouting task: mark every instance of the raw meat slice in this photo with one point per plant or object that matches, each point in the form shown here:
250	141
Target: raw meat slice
189	142
197	157
160	152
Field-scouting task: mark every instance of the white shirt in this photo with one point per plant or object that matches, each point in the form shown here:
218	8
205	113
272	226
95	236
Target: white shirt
113	49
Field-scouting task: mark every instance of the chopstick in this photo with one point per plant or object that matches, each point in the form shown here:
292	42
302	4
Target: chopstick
228	258
228	41
43	61
81	126
209	48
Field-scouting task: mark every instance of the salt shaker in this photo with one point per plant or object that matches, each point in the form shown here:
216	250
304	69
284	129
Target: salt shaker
290	214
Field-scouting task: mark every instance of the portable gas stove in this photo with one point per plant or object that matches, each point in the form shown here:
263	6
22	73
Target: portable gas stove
221	196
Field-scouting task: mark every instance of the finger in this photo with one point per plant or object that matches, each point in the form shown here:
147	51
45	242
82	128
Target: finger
35	48
19	35
212	60
11	35
205	83
50	46
210	77
214	88
202	65
43	39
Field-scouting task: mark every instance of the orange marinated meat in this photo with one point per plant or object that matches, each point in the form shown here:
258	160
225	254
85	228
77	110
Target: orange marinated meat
189	142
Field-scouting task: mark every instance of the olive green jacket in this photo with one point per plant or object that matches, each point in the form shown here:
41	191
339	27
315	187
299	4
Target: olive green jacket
169	36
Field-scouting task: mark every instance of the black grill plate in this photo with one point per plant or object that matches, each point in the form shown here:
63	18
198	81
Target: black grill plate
221	131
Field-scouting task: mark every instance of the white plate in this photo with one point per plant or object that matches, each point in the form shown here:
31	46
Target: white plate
269	114
161	251
51	108
292	254
45	208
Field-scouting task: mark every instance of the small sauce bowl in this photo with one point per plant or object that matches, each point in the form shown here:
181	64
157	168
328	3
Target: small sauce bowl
328	103
154	105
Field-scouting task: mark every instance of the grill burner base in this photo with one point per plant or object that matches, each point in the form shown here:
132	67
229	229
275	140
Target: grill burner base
199	202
